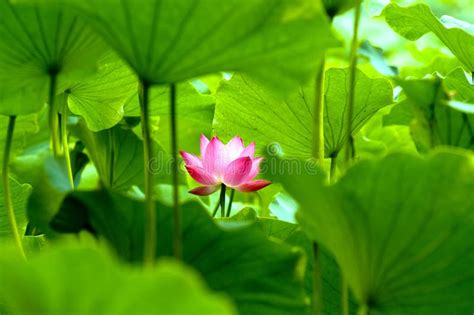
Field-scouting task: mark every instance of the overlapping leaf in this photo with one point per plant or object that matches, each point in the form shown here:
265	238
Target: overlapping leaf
117	154
399	228
101	98
48	177
262	276
244	107
167	41
19	195
293	235
458	84
84	281
432	121
417	20
36	42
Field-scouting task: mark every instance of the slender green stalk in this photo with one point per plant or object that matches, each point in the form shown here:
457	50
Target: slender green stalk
352	82
333	167
344	297
214	212
6	186
65	142
317	281
53	116
110	133
222	199
318	153
150	214
231	199
318	115
177	237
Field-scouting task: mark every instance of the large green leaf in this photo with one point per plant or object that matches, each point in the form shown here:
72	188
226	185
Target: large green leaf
117	154
19	195
48	177
262	276
458	84
35	43
433	122
101	98
72	280
277	40
370	96
400	228
293	235
244	107
417	20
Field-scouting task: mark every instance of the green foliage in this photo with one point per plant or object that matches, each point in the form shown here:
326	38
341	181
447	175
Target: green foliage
19	193
115	88
400	252
197	38
47	175
25	127
101	98
417	20
260	275
35	43
195	112
117	154
242	102
76	280
293	235
432	121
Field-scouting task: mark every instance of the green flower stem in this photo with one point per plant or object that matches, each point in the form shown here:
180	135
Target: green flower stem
214	212
222	199
231	199
344	296
150	214
111	156
6	186
332	172
317	282
177	216
318	153
53	116
352	82
65	142
318	115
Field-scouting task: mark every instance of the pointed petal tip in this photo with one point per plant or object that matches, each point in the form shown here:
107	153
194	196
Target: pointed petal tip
203	136
190	159
254	185
204	190
200	175
249	150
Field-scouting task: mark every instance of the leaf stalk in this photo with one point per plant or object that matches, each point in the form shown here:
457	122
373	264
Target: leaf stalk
65	142
177	215
318	115
352	82
6	187
150	211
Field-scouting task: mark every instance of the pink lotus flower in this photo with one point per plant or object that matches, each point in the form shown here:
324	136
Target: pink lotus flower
231	164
